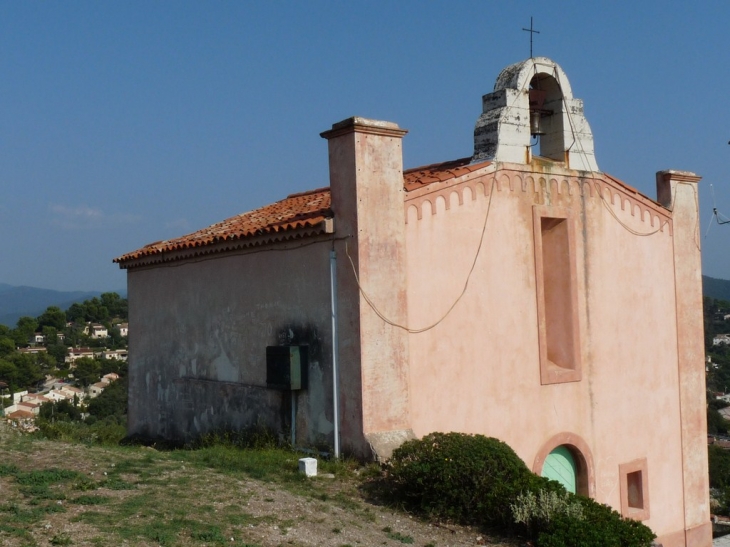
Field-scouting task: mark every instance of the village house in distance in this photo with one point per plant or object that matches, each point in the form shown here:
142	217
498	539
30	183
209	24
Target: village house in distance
519	293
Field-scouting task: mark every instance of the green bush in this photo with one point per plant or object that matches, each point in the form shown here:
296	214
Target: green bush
104	432
600	526
256	436
60	411
719	463
479	480
465	478
110	402
534	511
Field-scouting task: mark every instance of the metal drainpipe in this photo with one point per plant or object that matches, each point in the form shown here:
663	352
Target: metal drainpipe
293	419
335	351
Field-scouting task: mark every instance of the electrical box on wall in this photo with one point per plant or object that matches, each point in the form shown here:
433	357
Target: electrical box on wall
286	367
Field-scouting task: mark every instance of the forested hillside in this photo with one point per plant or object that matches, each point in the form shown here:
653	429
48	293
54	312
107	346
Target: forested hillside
16	302
38	347
718	289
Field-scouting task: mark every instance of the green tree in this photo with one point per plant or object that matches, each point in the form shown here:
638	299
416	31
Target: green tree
115	304
716	424
50	334
7	346
9	374
46	362
110	365
719	463
98	310
111	402
52	317
116	340
62	411
87	370
59	353
74	334
76	313
29	372
100	343
26	326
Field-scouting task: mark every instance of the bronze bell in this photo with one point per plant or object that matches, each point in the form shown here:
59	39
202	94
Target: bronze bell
537	101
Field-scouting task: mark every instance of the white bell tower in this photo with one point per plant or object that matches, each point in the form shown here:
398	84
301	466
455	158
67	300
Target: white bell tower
532	112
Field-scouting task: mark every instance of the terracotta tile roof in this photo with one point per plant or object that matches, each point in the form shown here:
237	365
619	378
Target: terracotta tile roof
298	215
20	415
296	212
32	350
78	351
304	210
439	172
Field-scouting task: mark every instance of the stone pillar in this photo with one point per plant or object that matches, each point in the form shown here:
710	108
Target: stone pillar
366	182
677	191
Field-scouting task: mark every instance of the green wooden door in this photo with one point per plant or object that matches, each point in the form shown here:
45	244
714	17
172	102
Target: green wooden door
560	466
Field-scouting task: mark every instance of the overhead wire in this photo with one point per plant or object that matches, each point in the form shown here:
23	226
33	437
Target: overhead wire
577	141
582	151
624	225
409	330
458	298
715	213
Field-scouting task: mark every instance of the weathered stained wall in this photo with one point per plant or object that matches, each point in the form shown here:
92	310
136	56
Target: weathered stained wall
198	354
200	365
478	370
366	181
678	191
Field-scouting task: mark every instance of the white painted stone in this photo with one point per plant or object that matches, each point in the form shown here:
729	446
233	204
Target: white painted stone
308	466
502	132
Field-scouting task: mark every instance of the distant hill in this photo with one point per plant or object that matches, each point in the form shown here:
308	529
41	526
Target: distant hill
714	288
15	302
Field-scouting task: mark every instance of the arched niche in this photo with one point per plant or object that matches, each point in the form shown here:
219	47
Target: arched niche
547	106
577	448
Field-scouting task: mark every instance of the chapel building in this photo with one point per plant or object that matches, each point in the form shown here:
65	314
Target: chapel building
519	293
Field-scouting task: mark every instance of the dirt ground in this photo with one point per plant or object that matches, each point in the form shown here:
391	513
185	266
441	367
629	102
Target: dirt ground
134	496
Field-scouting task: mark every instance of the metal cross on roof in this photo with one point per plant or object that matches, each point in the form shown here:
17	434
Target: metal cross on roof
532	32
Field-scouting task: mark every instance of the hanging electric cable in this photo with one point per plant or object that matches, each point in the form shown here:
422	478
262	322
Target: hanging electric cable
716	215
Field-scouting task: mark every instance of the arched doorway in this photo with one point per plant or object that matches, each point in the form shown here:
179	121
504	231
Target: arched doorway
560	466
567	459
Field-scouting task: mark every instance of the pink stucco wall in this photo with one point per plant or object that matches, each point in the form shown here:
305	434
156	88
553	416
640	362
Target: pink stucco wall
198	351
478	370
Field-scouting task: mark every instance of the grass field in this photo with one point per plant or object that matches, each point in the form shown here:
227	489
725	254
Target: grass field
60	493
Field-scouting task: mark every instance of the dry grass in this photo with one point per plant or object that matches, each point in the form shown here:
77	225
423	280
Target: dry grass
56	493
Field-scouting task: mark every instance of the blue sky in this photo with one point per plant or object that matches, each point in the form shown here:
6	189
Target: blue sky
124	123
